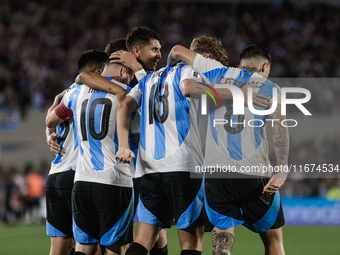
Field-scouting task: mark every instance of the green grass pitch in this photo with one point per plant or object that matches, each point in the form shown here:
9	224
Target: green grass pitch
32	240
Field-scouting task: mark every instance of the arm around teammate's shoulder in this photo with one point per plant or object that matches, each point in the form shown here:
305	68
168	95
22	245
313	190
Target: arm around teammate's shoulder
180	53
96	81
126	108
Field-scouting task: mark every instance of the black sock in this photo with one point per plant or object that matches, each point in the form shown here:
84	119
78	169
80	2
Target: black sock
136	249
161	251
79	253
72	251
190	252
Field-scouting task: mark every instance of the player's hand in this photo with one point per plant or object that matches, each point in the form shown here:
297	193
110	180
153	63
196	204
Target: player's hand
258	99
125	155
127	59
52	144
274	183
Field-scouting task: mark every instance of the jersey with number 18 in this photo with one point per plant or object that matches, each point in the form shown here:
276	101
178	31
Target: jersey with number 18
169	136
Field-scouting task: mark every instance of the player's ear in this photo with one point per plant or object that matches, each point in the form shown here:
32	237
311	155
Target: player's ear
136	51
207	55
123	71
265	66
98	71
239	66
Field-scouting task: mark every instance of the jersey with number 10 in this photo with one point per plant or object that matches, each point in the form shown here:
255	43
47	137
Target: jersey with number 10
169	138
94	113
238	140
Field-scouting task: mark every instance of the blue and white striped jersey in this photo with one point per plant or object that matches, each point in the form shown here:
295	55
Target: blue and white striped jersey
67	157
243	143
94	114
169	138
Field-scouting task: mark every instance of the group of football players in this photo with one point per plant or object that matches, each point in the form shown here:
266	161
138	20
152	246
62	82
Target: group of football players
128	140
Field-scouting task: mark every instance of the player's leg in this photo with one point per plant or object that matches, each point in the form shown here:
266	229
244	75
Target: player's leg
61	245
146	235
160	247
100	250
273	242
88	249
222	209
85	219
114	205
191	239
272	238
186	195
118	248
59	213
223	240
151	212
264	214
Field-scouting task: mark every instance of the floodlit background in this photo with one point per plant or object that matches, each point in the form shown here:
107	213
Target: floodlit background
40	42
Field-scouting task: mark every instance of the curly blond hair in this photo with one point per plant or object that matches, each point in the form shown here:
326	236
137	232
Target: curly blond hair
209	44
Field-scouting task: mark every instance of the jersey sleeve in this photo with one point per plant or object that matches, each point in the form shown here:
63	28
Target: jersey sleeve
136	93
63	110
140	74
189	73
203	65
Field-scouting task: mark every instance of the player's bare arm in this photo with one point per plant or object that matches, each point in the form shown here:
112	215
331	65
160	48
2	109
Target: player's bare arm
58	115
52	120
281	147
127	59
96	81
126	108
50	133
196	89
180	53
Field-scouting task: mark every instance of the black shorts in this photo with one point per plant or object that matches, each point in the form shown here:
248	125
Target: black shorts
168	199
136	188
58	191
102	213
231	202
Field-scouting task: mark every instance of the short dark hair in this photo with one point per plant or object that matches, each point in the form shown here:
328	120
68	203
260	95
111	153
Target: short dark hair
256	51
210	44
92	60
141	36
116	45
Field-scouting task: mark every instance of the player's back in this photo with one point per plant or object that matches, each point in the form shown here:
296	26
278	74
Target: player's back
67	157
242	140
95	114
169	139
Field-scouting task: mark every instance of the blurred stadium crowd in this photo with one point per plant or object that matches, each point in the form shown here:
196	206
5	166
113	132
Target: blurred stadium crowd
42	40
22	193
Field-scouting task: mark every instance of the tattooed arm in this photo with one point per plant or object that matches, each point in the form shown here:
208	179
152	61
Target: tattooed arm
223	241
281	147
